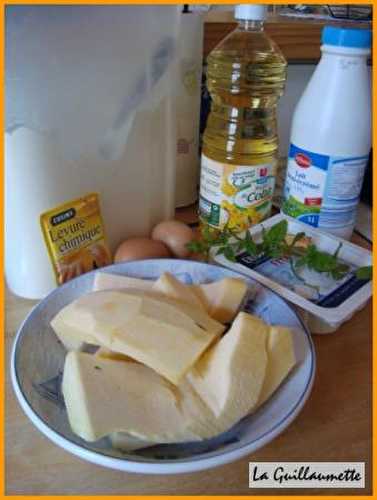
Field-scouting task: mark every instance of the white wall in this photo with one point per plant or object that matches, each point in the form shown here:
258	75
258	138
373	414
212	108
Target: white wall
298	76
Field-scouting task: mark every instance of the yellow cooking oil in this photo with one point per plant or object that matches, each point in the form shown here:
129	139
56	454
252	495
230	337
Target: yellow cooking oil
246	75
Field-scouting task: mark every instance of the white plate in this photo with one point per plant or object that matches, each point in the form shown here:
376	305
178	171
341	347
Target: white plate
38	358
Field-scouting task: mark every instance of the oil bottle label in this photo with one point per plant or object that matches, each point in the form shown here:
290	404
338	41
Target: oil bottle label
237	196
323	190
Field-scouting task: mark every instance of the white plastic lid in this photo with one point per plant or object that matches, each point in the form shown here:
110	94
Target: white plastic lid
251	12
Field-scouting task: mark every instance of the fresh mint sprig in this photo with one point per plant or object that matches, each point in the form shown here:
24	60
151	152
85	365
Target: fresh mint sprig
276	244
364	273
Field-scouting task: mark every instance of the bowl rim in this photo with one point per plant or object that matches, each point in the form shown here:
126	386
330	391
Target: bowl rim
175	466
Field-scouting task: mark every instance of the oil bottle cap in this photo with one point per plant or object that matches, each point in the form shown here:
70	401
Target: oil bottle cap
251	12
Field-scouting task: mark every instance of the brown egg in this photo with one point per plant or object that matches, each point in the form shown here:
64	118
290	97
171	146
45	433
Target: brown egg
140	248
175	235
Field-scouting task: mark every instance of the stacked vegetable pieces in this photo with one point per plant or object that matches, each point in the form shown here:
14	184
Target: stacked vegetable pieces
165	371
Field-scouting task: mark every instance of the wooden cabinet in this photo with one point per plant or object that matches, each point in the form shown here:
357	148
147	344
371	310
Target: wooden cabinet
299	40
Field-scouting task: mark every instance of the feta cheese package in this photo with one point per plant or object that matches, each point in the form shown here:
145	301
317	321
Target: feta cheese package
324	303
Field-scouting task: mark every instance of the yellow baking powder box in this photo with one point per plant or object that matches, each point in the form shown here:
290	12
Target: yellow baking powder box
75	237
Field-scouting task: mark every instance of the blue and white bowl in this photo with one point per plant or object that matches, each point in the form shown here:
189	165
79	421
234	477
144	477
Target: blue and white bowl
38	359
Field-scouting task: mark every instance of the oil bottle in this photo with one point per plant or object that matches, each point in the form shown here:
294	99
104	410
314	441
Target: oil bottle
245	76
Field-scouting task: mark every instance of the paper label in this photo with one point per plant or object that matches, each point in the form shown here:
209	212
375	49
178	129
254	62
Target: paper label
323	190
75	238
235	195
319	288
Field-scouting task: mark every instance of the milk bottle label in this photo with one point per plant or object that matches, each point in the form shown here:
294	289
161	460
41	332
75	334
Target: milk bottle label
323	190
235	196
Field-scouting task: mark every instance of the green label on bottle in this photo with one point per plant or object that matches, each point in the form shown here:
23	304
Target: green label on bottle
210	212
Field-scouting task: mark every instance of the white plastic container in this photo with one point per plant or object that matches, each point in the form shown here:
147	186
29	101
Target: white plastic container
331	135
89	108
190	60
325	318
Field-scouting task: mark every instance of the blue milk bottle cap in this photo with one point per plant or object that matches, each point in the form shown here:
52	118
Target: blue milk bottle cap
347	37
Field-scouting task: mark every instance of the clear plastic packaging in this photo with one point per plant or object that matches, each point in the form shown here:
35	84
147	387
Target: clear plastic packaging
326	309
88	109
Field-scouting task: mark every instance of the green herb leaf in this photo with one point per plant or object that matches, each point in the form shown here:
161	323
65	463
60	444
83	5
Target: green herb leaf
264	233
322	262
222	238
276	253
206	233
195	246
340	271
364	273
249	244
240	246
277	233
229	254
273	244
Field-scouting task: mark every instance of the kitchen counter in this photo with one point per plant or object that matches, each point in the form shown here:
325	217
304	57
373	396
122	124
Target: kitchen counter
335	425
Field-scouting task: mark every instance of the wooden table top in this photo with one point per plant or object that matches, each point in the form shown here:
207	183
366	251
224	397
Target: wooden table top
335	425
